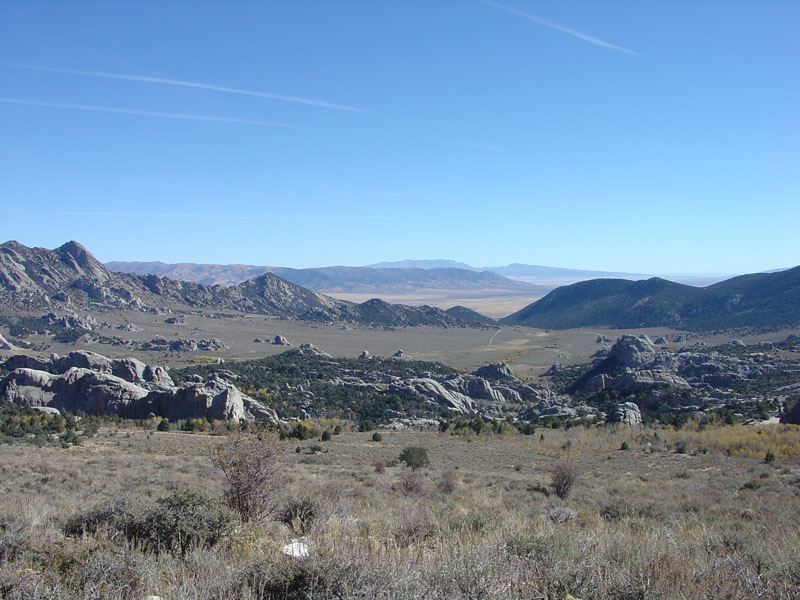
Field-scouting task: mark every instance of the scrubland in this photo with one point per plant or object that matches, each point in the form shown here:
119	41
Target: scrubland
677	514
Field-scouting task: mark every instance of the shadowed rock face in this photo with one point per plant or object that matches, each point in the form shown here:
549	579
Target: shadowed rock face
88	382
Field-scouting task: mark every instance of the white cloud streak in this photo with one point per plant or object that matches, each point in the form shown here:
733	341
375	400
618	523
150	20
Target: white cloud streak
556	26
217	216
191	84
146	113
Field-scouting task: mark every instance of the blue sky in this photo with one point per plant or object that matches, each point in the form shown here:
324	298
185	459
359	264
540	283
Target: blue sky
657	137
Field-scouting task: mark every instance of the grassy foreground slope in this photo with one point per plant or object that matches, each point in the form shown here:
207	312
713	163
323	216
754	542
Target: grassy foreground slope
710	520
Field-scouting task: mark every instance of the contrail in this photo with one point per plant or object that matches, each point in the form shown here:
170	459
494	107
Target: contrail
191	84
572	32
145	113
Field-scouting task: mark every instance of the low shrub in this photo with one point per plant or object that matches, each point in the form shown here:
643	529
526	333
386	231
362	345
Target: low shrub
174	524
412	482
299	514
448	482
563	476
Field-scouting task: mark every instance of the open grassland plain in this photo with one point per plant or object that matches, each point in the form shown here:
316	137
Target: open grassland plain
529	351
654	513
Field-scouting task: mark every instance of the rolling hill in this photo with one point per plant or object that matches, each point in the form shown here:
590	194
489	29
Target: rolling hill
760	299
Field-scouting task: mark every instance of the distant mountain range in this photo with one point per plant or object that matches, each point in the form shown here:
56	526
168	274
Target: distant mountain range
512	270
363	280
70	277
761	299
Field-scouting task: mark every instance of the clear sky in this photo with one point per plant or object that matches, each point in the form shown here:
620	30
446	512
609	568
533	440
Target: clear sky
657	137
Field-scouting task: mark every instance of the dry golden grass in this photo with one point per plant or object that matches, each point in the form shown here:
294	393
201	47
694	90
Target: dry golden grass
645	522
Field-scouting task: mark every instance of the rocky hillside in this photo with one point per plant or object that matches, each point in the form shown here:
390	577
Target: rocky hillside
87	382
758	300
70	277
728	380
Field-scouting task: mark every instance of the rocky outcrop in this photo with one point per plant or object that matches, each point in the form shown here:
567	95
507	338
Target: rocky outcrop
309	350
632	352
434	392
627	413
499	370
88	382
280	341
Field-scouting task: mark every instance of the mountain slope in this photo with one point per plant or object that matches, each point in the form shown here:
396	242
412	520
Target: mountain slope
762	299
70	277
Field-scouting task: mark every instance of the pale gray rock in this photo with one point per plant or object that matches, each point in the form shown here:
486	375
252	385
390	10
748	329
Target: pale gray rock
509	394
280	341
632	352
661	340
5	344
434	392
135	391
364	355
82	359
398	354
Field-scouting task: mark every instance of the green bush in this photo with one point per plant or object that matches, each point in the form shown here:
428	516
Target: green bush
163	425
326	435
624	446
415	457
376	437
769	457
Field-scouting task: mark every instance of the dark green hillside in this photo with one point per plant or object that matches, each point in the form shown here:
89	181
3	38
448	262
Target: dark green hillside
613	302
758	300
